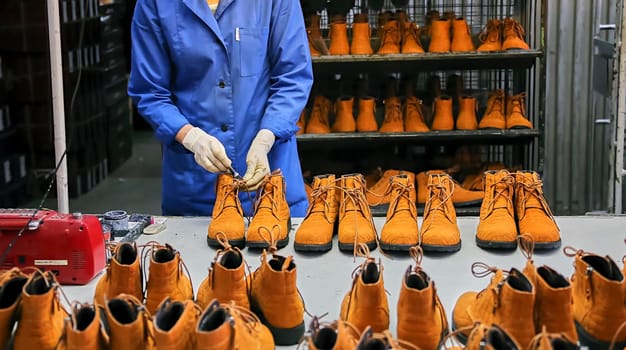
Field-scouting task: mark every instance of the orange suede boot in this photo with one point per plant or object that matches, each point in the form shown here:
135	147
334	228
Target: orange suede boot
301	123
10	292
361	44
339	38
514	35
83	329
226	280
40	316
355	218
474	181
443	120
344	117
166	277
491	36
274	297
318	120
317	45
338	335
460	197
516	116
496	228
130	324
461	36
390	38
271	213
534	216
507	301
467	114
227	326
383	340
413	116
366	119
316	231
598	300
379	195
440	35
400	230
421	318
227	215
553	299
440	232
122	274
172	323
494	113
411	38
545	340
366	305
393	116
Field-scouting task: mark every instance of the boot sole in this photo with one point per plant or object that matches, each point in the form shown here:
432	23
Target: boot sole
349	247
592	343
457	204
239	243
279	244
396	247
459	336
282	336
547	245
313	247
441	248
485	244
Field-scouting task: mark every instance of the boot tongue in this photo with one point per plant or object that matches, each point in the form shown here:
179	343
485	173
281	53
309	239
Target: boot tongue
531	189
502	193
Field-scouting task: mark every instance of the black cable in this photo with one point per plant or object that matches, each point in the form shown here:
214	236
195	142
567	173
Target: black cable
52	174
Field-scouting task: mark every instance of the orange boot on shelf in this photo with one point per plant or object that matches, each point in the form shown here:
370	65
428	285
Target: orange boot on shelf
315	233
598	300
400	230
496	228
461	36
366	305
317	45
507	302
491	36
83	329
122	274
271	213
393	116
383	18
301	122
379	195
337	335
130	324
167	276
494	113
534	216
361	44
467	114
344	117
443	120
355	218
339	37
40	316
226	280
440	232
173	322
391	36
227	215
440	35
318	120
421	318
366	119
411	43
514	35
516	113
460	196
413	116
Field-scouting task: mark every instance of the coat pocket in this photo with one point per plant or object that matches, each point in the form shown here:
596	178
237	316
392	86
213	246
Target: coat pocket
252	49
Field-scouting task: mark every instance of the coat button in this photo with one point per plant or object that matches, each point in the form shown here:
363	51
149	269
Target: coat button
224	127
222	84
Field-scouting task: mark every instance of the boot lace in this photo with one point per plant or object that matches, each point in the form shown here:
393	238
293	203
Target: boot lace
501	190
320	109
518	101
450	340
250	321
413	31
533	190
390	35
355	197
514	26
322	200
388	340
147	253
315	327
393	113
265	197
481	270
497	104
439	195
414	105
222	239
491	32
616	335
527	246
402	194
230	193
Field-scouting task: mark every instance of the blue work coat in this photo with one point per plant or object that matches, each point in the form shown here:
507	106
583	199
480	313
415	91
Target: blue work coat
245	68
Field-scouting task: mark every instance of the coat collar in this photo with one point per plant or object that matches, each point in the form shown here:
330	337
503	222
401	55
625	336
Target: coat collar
201	9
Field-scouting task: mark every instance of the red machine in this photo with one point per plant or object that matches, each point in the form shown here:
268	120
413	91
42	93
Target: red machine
70	245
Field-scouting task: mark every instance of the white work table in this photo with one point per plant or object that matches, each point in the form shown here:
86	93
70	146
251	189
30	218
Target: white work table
323	279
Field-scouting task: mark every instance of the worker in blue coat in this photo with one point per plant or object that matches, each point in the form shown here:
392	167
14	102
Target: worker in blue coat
223	83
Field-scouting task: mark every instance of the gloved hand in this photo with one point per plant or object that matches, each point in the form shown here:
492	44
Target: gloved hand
207	150
256	160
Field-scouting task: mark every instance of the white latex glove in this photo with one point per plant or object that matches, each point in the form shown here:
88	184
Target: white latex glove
207	150
256	160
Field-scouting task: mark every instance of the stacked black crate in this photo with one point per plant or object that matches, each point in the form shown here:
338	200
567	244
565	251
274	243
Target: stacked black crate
114	67
24	45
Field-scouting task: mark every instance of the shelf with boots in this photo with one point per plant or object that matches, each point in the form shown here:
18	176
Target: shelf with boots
431	136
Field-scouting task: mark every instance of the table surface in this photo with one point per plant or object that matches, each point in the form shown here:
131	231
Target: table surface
324	279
